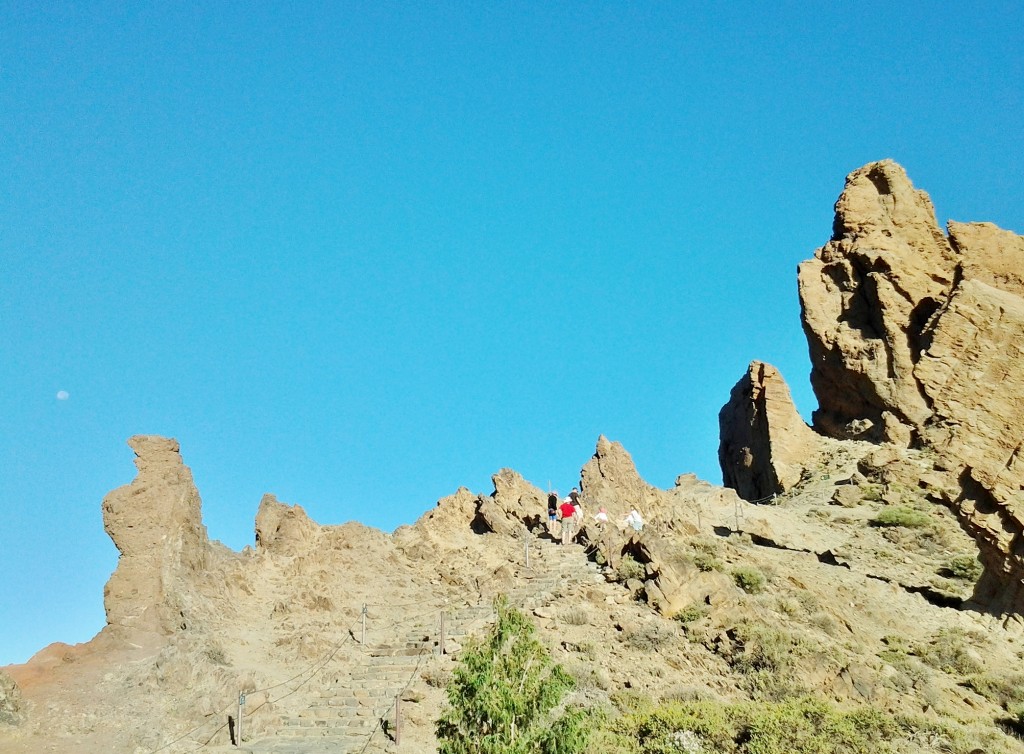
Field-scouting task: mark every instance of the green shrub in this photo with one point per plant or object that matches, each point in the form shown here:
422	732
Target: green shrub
749	579
1006	690
629	568
706	562
505	695
796	726
900	516
767	657
949	653
691	613
965	567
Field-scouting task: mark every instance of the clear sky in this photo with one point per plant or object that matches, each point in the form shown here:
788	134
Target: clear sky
361	254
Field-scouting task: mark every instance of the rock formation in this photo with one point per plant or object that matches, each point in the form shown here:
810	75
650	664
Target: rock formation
765	446
916	340
156	524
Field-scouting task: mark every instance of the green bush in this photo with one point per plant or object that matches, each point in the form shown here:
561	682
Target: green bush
505	696
749	579
707	562
796	726
691	613
905	517
1006	690
949	652
965	567
629	568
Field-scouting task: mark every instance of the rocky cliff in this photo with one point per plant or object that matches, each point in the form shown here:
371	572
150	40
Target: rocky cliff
916	339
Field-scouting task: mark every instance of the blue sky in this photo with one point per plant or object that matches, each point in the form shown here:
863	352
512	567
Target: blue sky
361	254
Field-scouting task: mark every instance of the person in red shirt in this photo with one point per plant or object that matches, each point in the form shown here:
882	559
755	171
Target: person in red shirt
568	516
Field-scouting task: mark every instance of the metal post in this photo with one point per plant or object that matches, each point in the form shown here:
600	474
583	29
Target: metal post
441	645
527	548
362	639
241	711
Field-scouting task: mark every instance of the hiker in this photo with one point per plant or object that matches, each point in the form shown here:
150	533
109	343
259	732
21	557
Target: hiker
632	519
552	512
568	514
601	518
574	498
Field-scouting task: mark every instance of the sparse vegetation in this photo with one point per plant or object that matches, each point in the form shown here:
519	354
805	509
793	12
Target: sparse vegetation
902	516
706	562
949	652
1004	689
575	616
795	726
749	579
965	567
630	568
767	659
691	613
651	636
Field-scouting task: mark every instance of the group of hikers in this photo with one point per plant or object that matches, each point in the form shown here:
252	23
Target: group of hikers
566	517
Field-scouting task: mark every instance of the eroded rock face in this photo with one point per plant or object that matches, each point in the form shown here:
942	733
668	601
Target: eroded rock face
865	299
283	528
156	525
917	338
764	444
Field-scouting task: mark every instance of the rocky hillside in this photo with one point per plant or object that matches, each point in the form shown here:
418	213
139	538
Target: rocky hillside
840	563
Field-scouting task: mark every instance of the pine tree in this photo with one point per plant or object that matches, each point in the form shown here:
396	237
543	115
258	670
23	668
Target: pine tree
505	693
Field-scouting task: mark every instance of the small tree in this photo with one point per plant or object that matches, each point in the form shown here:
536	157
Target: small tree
504	696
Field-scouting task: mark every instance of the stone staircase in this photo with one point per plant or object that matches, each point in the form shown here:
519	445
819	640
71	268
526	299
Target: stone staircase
348	708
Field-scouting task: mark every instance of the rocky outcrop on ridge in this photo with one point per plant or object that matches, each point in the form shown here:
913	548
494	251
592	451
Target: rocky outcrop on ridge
678	608
917	341
765	446
156	525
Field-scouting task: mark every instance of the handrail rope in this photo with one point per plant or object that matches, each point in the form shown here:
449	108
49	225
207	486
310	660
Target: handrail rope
228	706
316	666
408	683
327	658
399	604
193	730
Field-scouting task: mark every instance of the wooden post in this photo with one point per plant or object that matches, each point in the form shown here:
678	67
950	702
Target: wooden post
362	639
398	720
442	642
241	711
527	539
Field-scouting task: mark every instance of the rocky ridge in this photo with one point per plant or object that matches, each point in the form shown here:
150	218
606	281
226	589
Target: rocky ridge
855	585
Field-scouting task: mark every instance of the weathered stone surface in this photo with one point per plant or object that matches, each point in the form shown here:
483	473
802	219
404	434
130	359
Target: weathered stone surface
918	339
865	298
156	524
11	702
764	444
283	528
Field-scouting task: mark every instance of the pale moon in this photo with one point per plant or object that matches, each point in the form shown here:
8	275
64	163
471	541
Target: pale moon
63	395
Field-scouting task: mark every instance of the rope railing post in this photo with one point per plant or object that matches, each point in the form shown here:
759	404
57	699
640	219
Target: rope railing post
441	645
526	540
398	720
241	711
362	639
